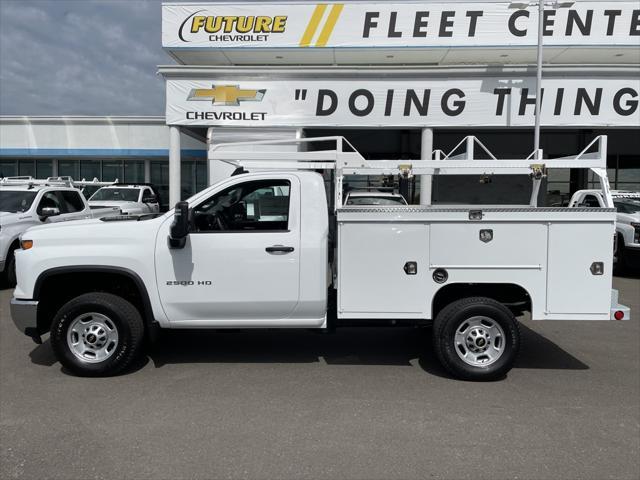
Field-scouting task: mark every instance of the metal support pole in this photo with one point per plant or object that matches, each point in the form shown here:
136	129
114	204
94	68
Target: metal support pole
425	154
174	166
536	131
147	171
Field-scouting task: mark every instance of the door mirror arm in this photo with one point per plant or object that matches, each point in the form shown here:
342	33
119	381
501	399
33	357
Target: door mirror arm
180	227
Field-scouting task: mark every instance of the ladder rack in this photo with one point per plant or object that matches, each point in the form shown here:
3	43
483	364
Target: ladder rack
460	161
63	181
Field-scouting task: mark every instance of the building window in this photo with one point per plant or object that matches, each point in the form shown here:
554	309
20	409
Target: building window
134	171
90	169
27	168
69	168
8	168
112	170
44	168
160	178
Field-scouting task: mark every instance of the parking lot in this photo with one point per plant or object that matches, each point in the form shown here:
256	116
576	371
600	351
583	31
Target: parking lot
356	404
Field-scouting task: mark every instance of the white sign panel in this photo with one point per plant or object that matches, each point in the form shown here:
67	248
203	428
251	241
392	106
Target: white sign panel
419	24
478	102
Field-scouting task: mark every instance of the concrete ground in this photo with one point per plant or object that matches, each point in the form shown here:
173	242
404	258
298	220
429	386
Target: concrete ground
367	404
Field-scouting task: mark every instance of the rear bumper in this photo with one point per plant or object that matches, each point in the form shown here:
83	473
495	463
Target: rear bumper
1	266
617	307
25	316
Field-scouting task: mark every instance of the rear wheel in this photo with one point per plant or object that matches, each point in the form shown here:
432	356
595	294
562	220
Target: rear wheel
97	334
476	338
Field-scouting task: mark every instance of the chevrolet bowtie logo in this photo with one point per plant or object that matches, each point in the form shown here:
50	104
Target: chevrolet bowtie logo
226	95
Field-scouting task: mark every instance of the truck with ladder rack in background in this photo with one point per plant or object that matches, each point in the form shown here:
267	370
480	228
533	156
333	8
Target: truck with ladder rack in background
273	246
26	202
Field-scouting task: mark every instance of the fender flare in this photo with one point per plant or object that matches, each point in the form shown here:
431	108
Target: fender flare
144	294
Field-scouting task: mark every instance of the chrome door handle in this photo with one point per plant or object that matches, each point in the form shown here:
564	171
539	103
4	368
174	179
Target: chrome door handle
279	250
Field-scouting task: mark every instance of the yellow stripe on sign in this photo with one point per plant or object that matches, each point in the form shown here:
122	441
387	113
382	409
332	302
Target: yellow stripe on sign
308	34
328	27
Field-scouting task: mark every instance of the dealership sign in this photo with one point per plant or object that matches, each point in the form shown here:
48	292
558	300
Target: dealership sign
388	25
476	102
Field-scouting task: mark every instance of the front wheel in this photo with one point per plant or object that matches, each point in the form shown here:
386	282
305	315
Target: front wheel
97	334
10	269
476	338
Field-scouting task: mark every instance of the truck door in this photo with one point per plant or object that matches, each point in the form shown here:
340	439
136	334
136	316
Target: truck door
241	260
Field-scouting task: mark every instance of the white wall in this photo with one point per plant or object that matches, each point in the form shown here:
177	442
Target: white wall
119	133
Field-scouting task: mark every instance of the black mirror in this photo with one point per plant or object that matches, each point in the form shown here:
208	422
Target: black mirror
149	199
180	226
49	212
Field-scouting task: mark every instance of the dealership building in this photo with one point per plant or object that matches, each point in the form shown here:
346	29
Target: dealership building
397	79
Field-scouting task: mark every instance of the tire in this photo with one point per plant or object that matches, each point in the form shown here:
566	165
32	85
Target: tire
621	261
97	334
482	330
10	269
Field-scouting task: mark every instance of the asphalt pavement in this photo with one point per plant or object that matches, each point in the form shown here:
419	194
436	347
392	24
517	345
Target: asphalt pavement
359	404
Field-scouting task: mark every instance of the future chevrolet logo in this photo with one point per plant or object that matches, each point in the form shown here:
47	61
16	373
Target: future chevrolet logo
226	95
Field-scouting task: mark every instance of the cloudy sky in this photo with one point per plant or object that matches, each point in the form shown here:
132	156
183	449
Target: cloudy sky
81	57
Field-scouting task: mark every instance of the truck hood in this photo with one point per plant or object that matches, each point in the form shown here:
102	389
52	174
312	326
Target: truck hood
10	218
628	218
125	207
91	231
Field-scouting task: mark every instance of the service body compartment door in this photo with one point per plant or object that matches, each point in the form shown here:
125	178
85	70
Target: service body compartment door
572	288
372	280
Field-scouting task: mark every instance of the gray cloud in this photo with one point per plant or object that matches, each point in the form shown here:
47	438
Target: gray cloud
90	57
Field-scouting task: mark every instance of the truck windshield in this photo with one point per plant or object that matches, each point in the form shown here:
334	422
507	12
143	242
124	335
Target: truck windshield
14	202
116	195
627	205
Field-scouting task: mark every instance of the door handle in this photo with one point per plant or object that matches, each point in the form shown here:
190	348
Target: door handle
278	250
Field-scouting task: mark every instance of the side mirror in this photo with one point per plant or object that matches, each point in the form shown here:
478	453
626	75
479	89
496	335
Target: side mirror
149	199
180	226
49	212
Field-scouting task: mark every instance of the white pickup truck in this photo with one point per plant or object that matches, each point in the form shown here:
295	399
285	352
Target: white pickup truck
25	202
236	255
130	198
627	204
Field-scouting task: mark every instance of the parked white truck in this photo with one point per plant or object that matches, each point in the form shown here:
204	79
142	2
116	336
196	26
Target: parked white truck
25	202
236	255
130	198
627	205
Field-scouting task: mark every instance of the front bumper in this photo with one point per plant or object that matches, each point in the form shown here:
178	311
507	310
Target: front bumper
1	266
25	316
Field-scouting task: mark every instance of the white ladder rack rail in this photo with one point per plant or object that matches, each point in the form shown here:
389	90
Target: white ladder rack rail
353	163
62	181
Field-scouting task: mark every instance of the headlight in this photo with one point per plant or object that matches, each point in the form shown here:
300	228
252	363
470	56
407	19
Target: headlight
636	232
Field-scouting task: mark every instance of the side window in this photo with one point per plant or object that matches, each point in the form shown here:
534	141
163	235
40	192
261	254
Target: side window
72	201
49	200
250	206
591	201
